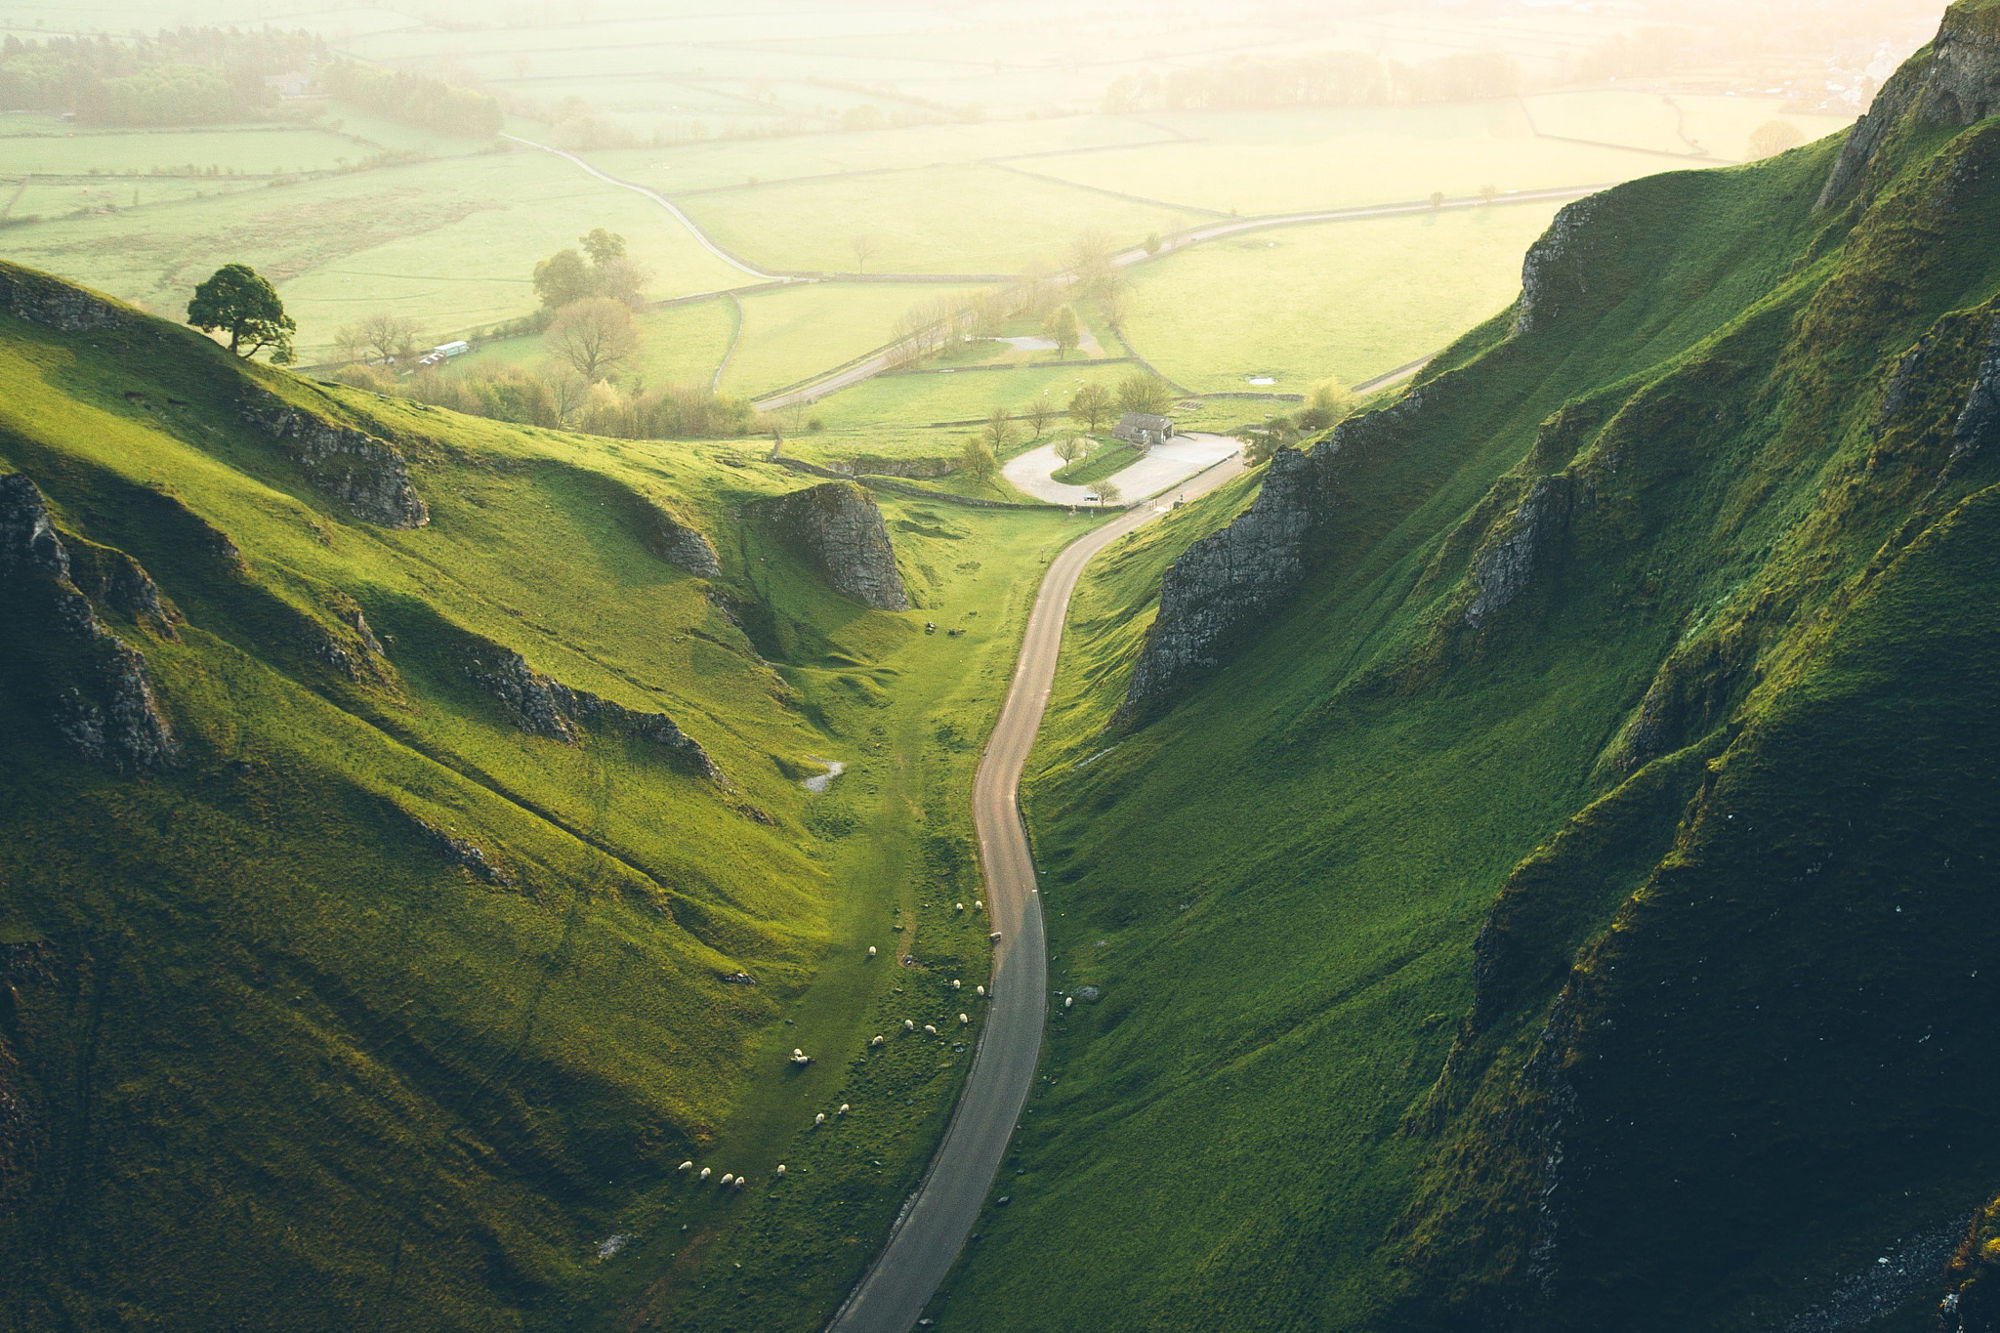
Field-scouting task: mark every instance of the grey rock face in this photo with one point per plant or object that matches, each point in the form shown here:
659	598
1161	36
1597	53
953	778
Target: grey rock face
683	546
1555	272
105	707
545	706
470	855
1503	569
1979	423
1956	85
43	300
839	530
369	475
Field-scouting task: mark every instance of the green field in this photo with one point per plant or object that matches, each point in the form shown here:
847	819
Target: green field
1345	300
681	344
966	395
451	244
938	220
1272	162
796	332
194	152
1720	125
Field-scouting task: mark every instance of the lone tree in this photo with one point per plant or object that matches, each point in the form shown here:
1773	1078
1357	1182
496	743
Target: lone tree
864	250
1140	392
1153	242
978	461
593	335
1437	200
1040	413
1328	403
1072	448
1062	329
1108	493
999	430
238	301
386	337
1090	405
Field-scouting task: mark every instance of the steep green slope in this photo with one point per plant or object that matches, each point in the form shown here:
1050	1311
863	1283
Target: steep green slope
1539	873
395	803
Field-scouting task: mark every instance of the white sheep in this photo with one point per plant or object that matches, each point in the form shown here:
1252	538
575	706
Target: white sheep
875	1041
706	1172
687	1166
820	1119
994	938
978	904
960	907
955	983
781	1168
931	1028
909	1025
726	1178
1068	1000
963	1020
981	990
871	951
741	1181
843	1109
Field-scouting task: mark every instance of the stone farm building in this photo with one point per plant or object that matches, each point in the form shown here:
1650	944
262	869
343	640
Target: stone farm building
1143	429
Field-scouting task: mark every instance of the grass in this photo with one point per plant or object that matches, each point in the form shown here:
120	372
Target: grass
1253	163
429	1099
1343	300
251	151
965	219
680	344
926	397
452	244
1662	124
797	332
1104	458
1281	885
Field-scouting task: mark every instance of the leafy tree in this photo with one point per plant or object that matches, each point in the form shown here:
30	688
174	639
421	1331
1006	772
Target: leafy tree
238	301
1108	492
1774	137
1437	199
1063	330
1090	405
1040	413
1140	392
562	280
977	460
603	246
593	335
1489	193
1153	243
999	432
1328	403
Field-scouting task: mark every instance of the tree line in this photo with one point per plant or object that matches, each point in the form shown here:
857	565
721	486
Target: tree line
413	99
185	76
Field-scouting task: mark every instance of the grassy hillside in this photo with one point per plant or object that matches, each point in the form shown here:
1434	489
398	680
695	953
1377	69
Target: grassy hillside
1570	905
395	993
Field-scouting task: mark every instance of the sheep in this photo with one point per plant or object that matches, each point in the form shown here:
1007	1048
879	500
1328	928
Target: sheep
963	1020
706	1172
909	1025
978	904
842	1110
871	951
799	1057
931	1028
955	983
1068	1000
875	1041
726	1178
820	1119
958	907
994	938
741	1181
981	991
781	1168
686	1166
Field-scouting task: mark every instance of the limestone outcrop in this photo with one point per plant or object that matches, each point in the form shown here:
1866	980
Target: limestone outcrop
839	531
370	476
543	706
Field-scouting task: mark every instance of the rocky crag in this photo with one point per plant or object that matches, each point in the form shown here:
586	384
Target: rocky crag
100	697
544	706
370	476
838	530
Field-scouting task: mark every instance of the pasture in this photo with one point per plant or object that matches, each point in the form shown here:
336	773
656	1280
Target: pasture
795	332
678	344
928	397
1347	300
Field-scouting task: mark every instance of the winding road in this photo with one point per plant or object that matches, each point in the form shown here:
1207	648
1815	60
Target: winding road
934	1223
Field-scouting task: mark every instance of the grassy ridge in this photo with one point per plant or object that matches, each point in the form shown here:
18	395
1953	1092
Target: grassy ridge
1280	887
285	1062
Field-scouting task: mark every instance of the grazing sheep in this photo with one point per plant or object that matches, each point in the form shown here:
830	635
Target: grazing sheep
842	1110
994	937
687	1166
981	991
820	1119
871	951
741	1181
978	904
963	1020
726	1178
931	1028
876	1040
1068	1000
706	1172
954	983
909	1025
959	907
781	1168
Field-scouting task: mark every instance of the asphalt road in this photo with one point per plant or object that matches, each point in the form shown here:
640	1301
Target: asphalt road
934	1223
